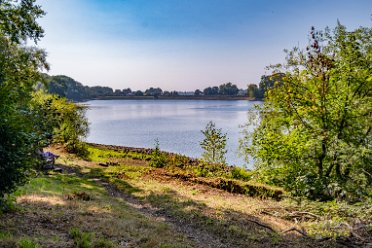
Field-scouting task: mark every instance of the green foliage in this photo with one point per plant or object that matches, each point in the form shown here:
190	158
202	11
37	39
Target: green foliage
7	204
241	173
103	243
17	20
224	89
153	91
158	159
214	144
87	240
19	74
26	243
180	161
228	89
210	170
81	239
60	121
314	129
251	189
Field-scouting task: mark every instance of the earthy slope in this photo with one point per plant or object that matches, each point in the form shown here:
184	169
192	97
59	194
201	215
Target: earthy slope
129	204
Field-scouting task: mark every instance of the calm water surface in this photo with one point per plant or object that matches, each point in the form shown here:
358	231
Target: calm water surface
175	123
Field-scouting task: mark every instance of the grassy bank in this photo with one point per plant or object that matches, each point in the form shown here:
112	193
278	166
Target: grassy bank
113	198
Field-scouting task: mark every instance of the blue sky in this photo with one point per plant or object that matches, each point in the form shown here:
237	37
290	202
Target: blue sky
182	44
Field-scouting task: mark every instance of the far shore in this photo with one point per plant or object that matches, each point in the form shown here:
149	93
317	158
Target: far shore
228	98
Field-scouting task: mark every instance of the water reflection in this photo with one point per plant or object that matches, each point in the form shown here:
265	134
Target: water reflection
176	124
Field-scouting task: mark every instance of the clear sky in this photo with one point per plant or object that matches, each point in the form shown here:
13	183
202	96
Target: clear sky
182	44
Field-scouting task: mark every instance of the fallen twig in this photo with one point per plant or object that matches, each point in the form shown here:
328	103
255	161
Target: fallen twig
302	232
263	225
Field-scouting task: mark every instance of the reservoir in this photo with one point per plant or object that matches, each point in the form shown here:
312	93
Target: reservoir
177	124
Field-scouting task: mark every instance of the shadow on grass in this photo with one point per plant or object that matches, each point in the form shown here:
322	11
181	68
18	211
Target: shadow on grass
48	215
231	228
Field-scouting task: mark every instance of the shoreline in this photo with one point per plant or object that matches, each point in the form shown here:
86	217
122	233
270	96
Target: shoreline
225	98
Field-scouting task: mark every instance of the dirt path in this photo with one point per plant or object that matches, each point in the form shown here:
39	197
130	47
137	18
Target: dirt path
201	238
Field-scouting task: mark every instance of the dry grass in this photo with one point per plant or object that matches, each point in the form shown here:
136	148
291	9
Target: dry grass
47	217
150	210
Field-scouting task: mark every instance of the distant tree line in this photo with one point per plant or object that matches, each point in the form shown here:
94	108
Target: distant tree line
227	89
67	87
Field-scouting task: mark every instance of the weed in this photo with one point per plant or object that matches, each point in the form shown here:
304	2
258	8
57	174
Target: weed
81	239
5	235
26	243
241	174
7	204
103	243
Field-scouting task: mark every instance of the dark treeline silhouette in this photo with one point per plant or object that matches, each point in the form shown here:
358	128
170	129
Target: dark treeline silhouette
73	90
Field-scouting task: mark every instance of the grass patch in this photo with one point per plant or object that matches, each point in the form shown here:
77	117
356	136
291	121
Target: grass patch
101	154
27	243
206	204
48	211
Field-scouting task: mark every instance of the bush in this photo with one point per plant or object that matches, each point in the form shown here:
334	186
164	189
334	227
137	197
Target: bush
213	144
314	128
81	239
241	173
60	121
26	243
158	159
210	170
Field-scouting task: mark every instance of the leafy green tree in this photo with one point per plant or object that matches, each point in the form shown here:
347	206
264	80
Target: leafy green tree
268	82
214	144
126	91
138	93
252	90
158	159
228	89
153	91
60	121
211	91
67	87
198	92
19	74
97	91
314	128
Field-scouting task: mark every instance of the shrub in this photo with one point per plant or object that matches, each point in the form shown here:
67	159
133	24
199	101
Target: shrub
213	144
158	159
26	243
315	128
240	173
81	239
210	170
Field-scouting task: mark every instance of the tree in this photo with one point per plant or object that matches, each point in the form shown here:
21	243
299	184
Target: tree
198	92
126	91
214	144
67	87
138	93
314	128
57	120
211	91
228	89
153	92
158	159
20	68
252	90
